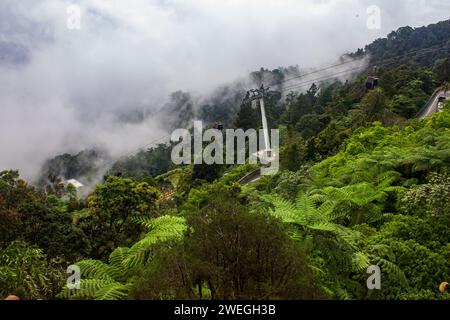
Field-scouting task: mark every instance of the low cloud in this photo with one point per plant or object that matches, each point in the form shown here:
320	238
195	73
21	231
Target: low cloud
66	90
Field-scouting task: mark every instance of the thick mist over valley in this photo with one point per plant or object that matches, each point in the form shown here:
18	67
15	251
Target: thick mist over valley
133	72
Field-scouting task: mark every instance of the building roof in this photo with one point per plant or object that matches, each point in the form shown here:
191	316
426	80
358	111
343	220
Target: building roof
77	184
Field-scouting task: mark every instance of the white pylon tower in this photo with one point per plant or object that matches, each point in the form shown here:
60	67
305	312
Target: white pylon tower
259	95
265	126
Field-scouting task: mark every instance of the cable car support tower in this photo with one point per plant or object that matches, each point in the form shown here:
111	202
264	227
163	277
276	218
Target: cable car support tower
254	96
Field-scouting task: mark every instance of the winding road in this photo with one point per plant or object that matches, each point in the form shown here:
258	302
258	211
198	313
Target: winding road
433	103
252	176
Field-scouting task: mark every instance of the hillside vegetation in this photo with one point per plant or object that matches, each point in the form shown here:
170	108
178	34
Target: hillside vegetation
362	182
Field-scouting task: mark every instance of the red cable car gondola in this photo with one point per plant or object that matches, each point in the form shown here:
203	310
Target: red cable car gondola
371	83
218	126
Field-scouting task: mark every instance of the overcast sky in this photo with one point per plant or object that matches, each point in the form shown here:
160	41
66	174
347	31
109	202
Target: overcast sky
61	89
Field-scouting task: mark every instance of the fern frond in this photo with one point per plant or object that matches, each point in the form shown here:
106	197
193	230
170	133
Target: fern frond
305	205
97	269
143	221
360	261
326	210
392	268
113	291
88	289
283	209
163	229
116	261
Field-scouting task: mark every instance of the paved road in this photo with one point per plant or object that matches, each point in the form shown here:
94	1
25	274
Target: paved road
432	104
252	176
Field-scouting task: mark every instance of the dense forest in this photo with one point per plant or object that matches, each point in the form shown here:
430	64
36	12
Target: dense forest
363	182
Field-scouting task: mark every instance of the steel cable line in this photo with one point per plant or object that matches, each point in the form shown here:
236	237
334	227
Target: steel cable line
383	63
323	78
316	71
123	157
308	82
333	76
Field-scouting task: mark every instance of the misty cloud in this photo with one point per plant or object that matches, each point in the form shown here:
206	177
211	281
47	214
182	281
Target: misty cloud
66	90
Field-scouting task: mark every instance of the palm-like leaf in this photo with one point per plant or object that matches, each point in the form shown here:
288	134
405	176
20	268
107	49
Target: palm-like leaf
163	229
317	213
113	291
97	269
114	280
308	213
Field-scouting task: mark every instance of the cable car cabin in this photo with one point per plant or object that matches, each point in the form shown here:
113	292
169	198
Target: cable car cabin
371	83
218	126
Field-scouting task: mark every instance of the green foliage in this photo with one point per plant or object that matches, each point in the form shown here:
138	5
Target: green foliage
442	70
229	253
247	118
422	45
58	236
25	272
412	151
291	157
113	204
359	185
351	204
421	268
163	229
316	216
151	162
123	196
34	218
373	106
306	213
288	184
113	280
205	172
430	199
84	166
14	191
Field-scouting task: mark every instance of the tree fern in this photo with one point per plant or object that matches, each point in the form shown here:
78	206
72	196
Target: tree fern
98	270
305	212
163	229
316	214
360	261
114	280
113	291
393	269
88	289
